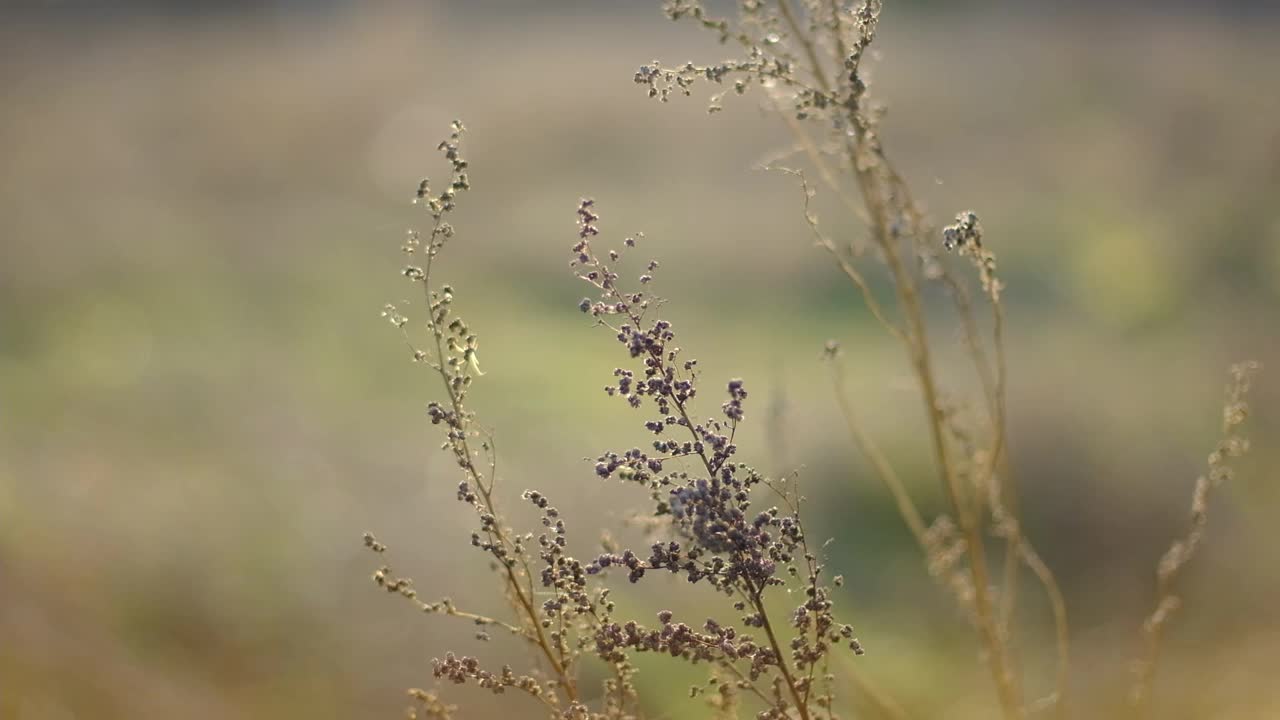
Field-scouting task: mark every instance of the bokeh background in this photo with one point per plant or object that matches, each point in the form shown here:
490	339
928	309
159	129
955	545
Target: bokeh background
201	410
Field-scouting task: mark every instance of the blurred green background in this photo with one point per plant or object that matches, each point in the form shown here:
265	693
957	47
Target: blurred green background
201	410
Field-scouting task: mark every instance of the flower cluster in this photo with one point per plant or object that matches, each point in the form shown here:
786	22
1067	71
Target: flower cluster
561	573
714	642
459	670
964	231
965	235
712	508
719	535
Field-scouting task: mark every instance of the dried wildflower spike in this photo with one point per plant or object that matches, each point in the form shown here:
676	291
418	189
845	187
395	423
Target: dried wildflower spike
451	351
719	532
1183	549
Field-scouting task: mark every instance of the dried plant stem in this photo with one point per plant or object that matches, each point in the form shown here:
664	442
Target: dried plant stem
882	190
745	682
998	473
757	602
522	597
1019	547
999	479
995	386
966	512
1058	604
882	705
884	469
847	267
1235	411
876	204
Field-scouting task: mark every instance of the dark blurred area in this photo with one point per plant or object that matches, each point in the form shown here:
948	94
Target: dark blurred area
201	410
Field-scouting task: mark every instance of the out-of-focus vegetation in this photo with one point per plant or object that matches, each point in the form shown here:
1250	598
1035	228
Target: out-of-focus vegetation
200	409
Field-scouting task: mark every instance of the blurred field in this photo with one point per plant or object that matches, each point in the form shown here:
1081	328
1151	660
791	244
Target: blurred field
201	411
